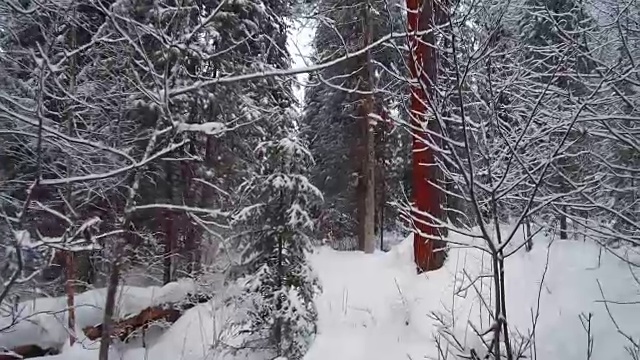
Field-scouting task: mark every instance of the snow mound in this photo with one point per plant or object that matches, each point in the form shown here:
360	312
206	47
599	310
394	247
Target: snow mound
43	321
376	307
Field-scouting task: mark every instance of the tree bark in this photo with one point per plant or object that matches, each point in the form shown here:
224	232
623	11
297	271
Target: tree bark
109	306
369	181
381	183
206	201
28	351
191	194
169	229
563	225
366	193
527	234
427	196
114	275
70	268
169	312
169	245
70	290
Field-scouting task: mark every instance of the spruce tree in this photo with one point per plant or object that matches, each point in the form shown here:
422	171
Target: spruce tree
279	287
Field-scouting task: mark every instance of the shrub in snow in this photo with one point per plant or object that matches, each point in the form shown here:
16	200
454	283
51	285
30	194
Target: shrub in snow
278	283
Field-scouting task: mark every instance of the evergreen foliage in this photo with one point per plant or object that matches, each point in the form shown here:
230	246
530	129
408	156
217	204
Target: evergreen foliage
279	286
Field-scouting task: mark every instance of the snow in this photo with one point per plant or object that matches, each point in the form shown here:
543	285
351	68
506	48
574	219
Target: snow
208	128
376	307
23	238
200	333
299	45
43	321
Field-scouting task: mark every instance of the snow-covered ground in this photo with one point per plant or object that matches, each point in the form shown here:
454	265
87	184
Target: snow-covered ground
43	321
375	307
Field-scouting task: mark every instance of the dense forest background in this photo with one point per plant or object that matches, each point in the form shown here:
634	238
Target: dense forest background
144	141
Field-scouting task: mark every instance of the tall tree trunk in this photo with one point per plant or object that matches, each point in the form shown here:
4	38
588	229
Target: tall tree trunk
280	280
110	305
207	193
366	188
169	229
169	245
369	202
191	194
382	186
563	224
427	197
69	265
119	245
69	289
527	234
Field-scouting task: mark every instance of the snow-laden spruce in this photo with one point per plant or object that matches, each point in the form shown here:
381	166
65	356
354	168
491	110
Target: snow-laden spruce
279	285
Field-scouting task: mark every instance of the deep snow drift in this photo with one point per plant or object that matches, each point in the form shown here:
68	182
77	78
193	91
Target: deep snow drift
375	307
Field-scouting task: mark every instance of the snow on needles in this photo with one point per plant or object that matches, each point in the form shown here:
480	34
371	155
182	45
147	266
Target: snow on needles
208	128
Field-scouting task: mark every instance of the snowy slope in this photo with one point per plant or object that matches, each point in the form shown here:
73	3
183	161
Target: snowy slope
375	307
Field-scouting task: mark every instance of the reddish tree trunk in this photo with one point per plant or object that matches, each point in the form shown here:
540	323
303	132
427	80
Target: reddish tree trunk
426	196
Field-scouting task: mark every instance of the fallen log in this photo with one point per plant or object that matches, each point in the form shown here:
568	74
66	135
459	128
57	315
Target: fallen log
124	328
26	352
169	313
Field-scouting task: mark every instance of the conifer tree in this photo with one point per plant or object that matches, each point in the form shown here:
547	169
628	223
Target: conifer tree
280	286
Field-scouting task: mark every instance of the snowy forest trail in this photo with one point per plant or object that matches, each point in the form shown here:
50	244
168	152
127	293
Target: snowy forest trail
376	307
365	309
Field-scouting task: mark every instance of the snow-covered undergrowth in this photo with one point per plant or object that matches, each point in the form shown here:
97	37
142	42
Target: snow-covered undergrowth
375	307
206	331
43	321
